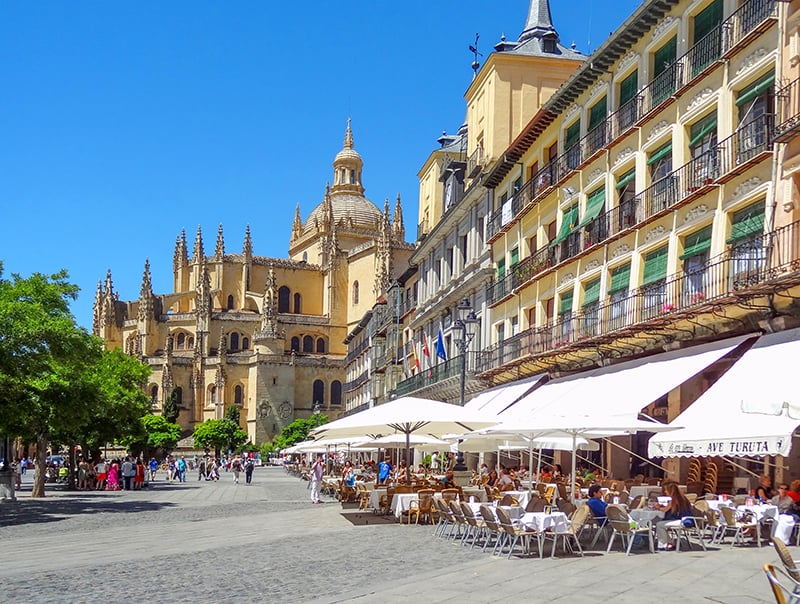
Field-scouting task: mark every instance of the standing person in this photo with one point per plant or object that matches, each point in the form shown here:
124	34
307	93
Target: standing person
83	474
127	472
435	461
201	469
384	470
317	469
112	481
100	470
180	465
153	468
248	470
236	468
138	474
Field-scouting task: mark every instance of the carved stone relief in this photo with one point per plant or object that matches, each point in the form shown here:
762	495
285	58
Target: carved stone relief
655	233
658	129
699	98
695	213
620	250
751	59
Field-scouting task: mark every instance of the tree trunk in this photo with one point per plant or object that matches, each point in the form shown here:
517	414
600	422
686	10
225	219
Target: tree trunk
41	453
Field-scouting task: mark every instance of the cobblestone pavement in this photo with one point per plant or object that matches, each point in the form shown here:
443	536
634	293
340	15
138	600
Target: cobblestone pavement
221	542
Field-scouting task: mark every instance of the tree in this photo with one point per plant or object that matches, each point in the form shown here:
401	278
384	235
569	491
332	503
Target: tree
155	437
219	434
171	409
232	413
298	431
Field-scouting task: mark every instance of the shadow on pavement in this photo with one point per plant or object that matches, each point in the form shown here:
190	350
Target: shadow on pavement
368	518
35	511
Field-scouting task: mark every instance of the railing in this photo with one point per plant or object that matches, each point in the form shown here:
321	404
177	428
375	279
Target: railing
475	162
529	194
787	101
422	230
625	117
437	373
745	20
357	350
748	142
703	54
740	271
359	381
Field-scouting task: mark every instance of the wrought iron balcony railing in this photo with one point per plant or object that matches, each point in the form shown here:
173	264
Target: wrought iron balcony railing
437	373
787	106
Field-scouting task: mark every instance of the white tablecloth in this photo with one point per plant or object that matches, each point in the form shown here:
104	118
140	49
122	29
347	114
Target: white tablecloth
761	512
521	496
645	517
541	521
716	504
643	490
375	498
479	493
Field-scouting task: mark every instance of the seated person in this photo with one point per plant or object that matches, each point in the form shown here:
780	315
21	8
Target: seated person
677	508
784	502
447	479
596	504
505	482
764	491
794	491
491	479
402	473
546	475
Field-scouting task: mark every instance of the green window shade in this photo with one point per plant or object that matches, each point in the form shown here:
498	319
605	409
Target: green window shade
620	279
626	178
594	205
597	114
566	303
747	222
568	223
665	56
707	19
501	269
756	88
659	153
573	134
697	243
514	256
627	88
655	266
591	293
700	129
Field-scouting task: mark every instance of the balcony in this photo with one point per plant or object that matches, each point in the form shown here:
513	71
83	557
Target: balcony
475	163
747	22
747	145
527	197
428	377
759	266
355	351
356	383
787	121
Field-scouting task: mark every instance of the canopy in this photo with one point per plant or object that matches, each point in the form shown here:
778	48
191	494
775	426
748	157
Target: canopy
621	390
398	439
483	442
497	400
752	410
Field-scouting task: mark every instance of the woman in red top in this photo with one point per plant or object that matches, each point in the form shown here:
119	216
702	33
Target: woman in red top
794	491
138	478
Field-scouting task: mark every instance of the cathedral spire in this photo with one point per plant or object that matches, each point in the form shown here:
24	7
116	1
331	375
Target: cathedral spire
297	225
347	167
247	246
97	309
398	228
146	294
180	257
539	22
219	250
198	255
348	136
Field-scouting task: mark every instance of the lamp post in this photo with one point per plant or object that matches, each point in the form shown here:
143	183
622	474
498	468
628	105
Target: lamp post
466	323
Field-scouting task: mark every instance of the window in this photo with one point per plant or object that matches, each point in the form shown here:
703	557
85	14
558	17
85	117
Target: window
355	293
654	283
664	72
695	256
568	236
238	395
283	298
628	102
565	317
298	306
707	37
514	257
245	344
296	344
234	340
336	393
748	253
501	273
596	136
517	185
178	395
703	148
501	338
319	392
589	310
308	344
190	343
230	303
618	296
662	193
595	225
514	325
626	201
154	395
321	345
754	104
212	395
181	341
571	147
463	247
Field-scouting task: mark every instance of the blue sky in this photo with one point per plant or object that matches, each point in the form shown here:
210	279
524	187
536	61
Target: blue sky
124	122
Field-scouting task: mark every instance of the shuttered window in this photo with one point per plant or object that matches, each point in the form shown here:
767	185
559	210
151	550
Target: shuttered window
627	88
591	292
620	279
655	266
566	303
747	222
665	56
697	243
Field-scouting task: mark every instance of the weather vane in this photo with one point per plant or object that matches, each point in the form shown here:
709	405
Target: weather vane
473	48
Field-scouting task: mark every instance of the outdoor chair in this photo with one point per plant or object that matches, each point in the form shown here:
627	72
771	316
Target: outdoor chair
508	500
691	526
450	494
385	504
567	507
475	526
790	567
731	524
784	592
363	496
423	506
463	527
627	530
493	528
570	534
516	533
536	504
446	519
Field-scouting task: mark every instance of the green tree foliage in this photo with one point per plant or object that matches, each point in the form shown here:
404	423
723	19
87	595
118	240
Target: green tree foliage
219	434
56	383
154	437
171	409
297	431
232	413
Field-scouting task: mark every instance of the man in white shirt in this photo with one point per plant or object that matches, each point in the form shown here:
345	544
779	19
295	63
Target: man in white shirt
317	470
127	466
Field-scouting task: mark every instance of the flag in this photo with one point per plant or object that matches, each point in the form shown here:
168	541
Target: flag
426	351
416	358
440	351
406	369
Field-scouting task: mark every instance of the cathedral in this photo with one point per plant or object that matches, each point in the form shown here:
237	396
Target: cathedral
263	334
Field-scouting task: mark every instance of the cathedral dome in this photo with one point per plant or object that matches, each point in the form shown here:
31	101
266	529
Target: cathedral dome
347	206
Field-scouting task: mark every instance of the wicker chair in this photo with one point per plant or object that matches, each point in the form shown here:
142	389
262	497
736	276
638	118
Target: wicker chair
570	534
790	567
516	533
621	525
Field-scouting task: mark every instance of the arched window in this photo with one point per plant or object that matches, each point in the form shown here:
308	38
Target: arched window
319	392
283	298
305	256
355	292
234	341
190	343
308	344
181	341
245	343
179	396
352	177
296	344
297	305
213	395
230	302
238	395
321	345
154	395
336	392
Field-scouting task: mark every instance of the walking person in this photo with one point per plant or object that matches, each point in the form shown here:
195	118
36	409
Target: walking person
153	468
180	465
138	475
128	471
100	470
248	471
317	469
201	469
236	468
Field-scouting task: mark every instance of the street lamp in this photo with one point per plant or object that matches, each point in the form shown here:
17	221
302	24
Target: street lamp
466	323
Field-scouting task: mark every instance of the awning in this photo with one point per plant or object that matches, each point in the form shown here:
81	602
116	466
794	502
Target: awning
621	390
750	411
499	399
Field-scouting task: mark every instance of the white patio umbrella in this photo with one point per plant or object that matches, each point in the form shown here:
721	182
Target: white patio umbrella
407	415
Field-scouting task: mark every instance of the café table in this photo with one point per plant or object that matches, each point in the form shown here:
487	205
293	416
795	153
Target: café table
543	521
375	497
716	504
646	517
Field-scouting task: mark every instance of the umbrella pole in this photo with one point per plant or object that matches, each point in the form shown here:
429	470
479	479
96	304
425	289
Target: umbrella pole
574	465
408	468
530	475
